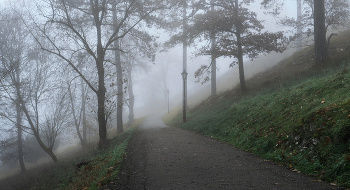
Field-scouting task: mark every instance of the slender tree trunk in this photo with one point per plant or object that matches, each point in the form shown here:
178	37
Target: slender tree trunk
184	50
299	40
20	142
131	97
19	120
320	32
240	53
83	101
213	59
35	128
119	78
48	150
76	123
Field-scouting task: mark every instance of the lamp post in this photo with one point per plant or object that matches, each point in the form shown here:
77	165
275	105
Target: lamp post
184	77
168	100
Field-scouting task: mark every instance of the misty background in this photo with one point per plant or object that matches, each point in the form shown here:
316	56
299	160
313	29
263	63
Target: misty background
151	81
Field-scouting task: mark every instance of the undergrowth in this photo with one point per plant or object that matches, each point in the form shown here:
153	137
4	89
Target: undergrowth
90	170
304	124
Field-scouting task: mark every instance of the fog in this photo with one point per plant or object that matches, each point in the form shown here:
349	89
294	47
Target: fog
150	93
151	81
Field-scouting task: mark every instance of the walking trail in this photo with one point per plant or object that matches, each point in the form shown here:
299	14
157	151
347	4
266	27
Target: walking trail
163	157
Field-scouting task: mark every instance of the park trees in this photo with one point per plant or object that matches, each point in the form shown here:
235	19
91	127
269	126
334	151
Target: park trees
317	17
12	44
26	85
238	33
90	27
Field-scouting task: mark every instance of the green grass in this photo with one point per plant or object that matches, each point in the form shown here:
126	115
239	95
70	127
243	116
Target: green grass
90	170
303	123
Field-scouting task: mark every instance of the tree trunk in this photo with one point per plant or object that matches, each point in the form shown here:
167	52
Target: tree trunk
240	53
101	92
213	59
320	32
184	51
36	132
83	101
19	119
19	137
119	78
299	39
131	97
101	99
76	123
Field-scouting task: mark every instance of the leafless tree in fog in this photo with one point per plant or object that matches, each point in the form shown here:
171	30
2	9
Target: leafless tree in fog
12	50
26	84
79	116
87	26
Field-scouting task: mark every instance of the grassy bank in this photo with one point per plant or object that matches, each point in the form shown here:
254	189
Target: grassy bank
302	123
89	170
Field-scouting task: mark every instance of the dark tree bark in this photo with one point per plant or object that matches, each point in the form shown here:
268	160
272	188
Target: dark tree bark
320	32
101	91
131	96
240	51
118	62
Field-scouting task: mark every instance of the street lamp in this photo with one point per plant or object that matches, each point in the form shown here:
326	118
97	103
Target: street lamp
184	77
168	100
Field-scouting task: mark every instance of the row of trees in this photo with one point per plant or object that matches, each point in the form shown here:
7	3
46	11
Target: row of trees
66	48
230	29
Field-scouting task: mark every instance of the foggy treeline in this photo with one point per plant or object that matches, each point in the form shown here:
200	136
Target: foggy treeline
72	70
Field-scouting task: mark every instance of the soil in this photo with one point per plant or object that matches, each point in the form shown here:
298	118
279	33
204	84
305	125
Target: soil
22	181
163	157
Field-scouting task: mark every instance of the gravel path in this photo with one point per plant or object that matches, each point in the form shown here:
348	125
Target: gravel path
163	157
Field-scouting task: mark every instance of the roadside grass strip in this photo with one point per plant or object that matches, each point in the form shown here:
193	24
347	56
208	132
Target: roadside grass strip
90	170
304	125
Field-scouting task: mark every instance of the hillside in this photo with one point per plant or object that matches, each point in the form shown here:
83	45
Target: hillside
296	114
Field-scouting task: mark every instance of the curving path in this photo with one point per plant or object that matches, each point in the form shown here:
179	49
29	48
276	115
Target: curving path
163	157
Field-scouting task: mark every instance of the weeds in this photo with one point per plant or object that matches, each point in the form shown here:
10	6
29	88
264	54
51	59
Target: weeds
90	170
304	123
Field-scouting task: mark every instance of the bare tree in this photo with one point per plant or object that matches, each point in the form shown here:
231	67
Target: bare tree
79	116
26	86
73	21
12	45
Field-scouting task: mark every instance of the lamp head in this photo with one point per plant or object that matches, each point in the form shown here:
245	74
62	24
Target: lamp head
184	75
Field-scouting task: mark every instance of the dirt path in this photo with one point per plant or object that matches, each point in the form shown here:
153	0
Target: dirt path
162	157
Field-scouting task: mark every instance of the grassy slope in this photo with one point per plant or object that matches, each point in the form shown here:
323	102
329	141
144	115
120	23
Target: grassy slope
295	114
90	170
